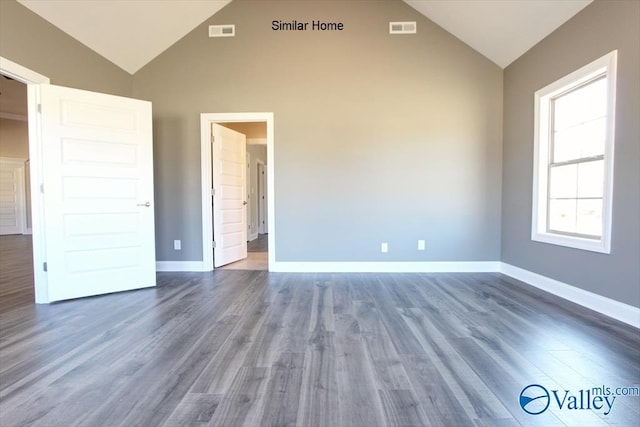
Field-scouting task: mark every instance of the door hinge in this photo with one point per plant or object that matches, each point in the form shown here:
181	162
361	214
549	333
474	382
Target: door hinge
213	138
44	266
214	244
213	191
42	188
40	108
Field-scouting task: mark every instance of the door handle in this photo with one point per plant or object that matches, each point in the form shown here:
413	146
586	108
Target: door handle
244	203
146	205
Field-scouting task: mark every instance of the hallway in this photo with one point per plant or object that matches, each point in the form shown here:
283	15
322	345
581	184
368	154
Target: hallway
257	256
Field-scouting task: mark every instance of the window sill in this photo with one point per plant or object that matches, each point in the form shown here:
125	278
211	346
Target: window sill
600	246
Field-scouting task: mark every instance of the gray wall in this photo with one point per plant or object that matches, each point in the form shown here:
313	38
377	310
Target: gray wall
377	137
14	138
32	42
598	29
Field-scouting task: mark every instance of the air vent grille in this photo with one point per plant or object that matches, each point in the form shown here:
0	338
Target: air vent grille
222	30
409	27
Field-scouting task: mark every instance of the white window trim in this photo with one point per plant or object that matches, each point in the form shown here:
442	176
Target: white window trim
542	97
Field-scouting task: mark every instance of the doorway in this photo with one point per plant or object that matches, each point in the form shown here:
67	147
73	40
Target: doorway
16	253
30	78
256	156
258	128
64	274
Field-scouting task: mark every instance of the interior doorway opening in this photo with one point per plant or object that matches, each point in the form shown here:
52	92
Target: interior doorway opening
16	250
258	129
31	79
256	158
62	266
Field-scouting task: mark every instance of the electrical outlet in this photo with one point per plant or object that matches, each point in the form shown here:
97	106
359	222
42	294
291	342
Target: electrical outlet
177	245
384	247
421	245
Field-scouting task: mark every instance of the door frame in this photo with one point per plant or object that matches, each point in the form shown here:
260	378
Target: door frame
206	119
32	79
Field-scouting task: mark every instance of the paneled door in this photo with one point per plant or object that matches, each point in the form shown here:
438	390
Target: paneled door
12	203
228	170
97	192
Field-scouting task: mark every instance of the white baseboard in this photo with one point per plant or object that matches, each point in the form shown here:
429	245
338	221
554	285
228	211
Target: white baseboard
385	267
607	306
27	231
252	237
180	266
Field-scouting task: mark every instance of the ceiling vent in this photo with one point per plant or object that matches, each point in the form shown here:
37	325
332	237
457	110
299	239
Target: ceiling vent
403	27
222	30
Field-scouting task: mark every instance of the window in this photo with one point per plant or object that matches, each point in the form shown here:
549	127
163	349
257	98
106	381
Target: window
573	158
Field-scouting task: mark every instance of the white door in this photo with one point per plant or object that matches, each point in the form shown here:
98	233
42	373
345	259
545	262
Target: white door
97	192
228	172
12	203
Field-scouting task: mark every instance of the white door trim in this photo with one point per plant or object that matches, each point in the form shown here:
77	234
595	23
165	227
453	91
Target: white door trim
20	73
206	119
32	79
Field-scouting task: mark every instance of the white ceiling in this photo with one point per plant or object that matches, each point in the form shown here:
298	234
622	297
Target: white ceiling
501	30
130	33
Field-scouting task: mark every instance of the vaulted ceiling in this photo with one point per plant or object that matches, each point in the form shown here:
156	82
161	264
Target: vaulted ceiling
130	33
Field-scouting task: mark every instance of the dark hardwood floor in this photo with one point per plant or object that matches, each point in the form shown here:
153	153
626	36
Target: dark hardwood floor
261	244
234	348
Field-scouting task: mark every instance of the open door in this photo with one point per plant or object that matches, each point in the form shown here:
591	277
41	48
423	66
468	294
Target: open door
228	170
97	195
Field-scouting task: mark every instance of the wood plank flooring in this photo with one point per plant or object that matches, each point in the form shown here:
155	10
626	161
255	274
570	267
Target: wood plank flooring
254	348
253	261
257	256
261	244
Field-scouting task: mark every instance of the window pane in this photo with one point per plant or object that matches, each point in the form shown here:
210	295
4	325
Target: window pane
579	141
589	217
593	138
586	103
591	179
563	182
562	215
